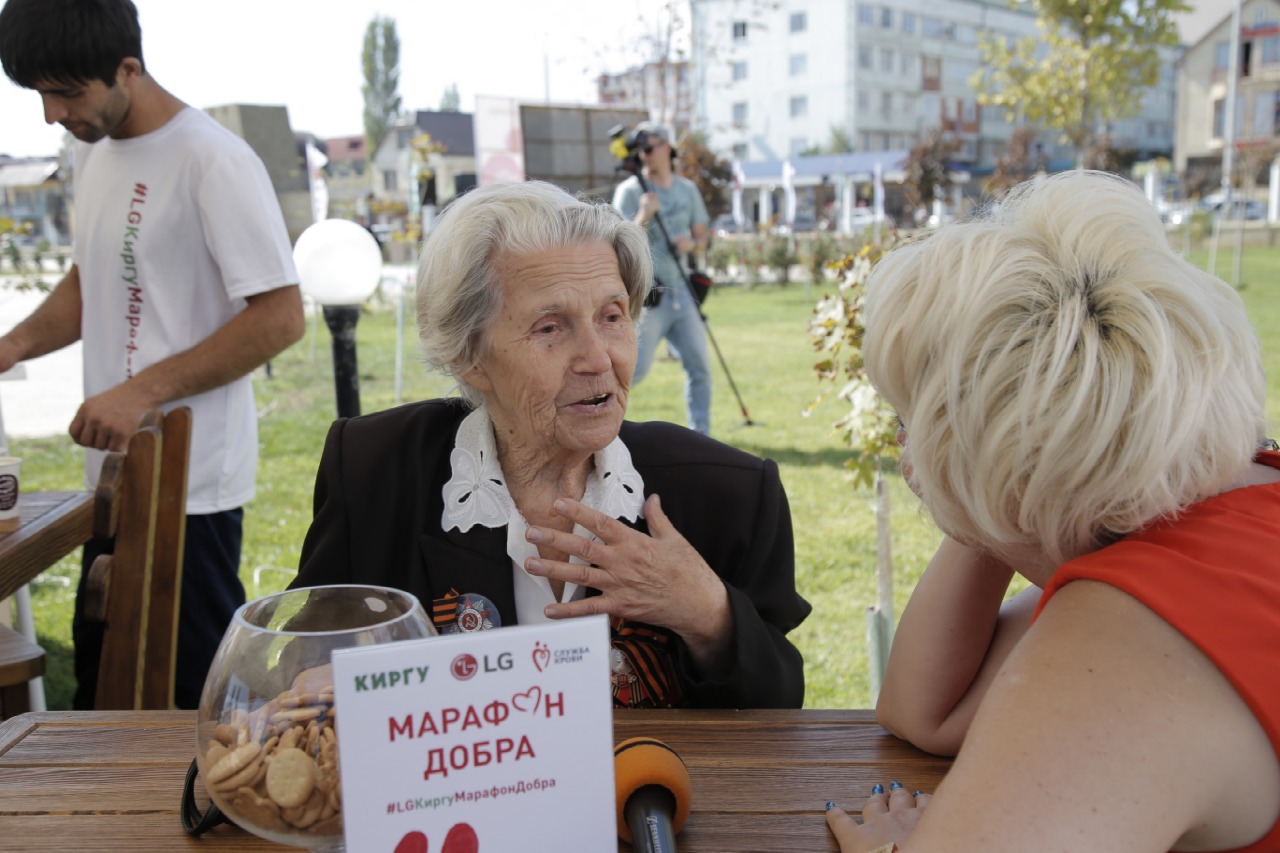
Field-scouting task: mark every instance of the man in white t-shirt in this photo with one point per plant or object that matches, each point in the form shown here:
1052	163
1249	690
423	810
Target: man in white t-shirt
182	283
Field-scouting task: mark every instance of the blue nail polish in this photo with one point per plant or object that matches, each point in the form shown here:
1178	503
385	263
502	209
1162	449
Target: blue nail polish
917	793
877	789
893	786
830	806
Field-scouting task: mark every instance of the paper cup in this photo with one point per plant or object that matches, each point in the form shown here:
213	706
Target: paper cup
9	493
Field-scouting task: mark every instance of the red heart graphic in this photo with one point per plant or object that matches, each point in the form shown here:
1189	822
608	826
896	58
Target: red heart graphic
541	657
527	701
461	839
413	842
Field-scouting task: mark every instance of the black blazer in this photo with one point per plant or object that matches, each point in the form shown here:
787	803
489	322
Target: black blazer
378	505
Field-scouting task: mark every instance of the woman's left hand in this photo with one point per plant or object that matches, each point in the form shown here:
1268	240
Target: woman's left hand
886	819
659	579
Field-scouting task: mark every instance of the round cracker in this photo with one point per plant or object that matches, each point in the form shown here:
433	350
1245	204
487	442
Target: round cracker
291	777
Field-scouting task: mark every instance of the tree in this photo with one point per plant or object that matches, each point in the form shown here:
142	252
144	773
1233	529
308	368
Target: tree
1016	164
713	175
928	166
839	141
450	102
380	60
1088	68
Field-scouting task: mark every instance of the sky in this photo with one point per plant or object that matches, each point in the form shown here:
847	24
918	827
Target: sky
305	54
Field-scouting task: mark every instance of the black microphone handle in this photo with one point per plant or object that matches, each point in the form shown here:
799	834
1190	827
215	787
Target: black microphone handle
649	812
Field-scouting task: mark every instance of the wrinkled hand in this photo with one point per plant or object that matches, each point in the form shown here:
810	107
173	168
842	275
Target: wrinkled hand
658	578
105	421
886	818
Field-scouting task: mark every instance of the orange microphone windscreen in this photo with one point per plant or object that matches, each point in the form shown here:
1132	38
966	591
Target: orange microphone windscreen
641	761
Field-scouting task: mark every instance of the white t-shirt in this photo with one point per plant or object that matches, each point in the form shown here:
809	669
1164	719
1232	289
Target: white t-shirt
173	230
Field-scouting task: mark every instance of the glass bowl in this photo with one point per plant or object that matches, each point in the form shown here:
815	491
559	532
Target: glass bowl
266	734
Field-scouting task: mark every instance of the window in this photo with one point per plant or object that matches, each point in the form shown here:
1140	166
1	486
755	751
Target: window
865	56
739	30
1270	50
739	71
886	60
886	18
909	22
886	109
931	27
799	22
798	64
389	180
909	106
908	65
740	151
959	70
1263	114
403	137
740	112
864	100
866	14
1221	53
799	106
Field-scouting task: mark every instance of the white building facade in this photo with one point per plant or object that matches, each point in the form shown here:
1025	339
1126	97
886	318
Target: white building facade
774	79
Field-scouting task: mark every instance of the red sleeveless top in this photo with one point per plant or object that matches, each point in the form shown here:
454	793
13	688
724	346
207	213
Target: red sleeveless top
1213	573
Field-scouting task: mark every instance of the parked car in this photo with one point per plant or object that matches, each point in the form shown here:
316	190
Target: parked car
724	226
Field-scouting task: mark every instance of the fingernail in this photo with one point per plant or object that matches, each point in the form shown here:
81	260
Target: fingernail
533	534
877	789
893	786
533	565
830	806
917	793
551	611
560	505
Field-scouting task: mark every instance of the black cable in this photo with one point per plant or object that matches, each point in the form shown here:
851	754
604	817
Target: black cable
192	821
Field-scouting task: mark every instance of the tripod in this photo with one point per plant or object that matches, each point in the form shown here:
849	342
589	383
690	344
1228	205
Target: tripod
671	247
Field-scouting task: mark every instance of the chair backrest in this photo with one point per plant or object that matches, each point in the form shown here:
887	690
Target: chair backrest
141	501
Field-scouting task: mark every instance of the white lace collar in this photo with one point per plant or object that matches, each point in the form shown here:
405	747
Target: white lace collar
477	490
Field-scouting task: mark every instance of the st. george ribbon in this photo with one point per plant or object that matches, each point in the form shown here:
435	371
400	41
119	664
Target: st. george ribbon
654	792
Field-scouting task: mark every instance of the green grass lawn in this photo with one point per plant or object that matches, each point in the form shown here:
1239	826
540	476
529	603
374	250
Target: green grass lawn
762	333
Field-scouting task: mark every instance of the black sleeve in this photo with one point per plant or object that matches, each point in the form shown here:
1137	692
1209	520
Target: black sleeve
326	551
767	671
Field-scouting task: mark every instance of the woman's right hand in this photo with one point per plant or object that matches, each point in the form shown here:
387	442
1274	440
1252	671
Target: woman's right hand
886	819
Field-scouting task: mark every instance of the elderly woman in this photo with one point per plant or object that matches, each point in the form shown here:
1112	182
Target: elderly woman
531	499
1082	407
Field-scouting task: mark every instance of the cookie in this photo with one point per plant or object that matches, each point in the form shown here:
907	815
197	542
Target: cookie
291	778
233	762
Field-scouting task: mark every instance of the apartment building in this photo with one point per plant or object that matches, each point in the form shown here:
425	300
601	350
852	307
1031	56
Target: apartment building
773	79
1204	73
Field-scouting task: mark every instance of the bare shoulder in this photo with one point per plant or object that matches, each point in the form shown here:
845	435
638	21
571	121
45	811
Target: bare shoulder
1106	729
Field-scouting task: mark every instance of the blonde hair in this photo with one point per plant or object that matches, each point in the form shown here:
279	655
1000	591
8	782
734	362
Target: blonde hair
1064	376
458	291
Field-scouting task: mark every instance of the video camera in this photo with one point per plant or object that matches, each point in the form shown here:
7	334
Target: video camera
628	141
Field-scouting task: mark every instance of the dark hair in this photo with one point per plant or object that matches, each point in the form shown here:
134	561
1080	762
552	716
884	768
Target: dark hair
67	41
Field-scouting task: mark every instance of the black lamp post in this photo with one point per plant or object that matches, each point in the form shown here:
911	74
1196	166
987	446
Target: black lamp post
339	265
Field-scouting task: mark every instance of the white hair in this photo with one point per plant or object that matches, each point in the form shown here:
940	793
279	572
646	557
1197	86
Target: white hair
1064	376
458	291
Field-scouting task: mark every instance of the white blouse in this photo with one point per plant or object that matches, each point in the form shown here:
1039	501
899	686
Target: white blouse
477	494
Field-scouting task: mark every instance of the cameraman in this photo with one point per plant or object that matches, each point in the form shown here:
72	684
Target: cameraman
674	315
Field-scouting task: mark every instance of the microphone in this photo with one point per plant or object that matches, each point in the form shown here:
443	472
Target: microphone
653	791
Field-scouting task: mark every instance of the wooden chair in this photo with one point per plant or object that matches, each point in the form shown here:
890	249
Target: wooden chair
20	661
141	501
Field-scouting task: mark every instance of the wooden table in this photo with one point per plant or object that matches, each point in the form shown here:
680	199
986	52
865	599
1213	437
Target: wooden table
51	525
111	780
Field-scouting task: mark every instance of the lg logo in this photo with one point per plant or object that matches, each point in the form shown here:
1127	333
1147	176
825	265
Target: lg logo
464	666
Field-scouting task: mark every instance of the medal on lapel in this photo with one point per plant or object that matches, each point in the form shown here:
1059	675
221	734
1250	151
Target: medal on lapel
473	612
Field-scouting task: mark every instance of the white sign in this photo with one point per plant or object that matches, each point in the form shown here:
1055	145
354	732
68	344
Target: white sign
479	743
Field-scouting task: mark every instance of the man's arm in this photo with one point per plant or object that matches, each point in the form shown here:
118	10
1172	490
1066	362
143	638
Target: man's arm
52	326
269	323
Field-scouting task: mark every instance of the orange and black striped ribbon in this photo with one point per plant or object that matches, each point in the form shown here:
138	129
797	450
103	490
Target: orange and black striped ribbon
444	610
648	650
